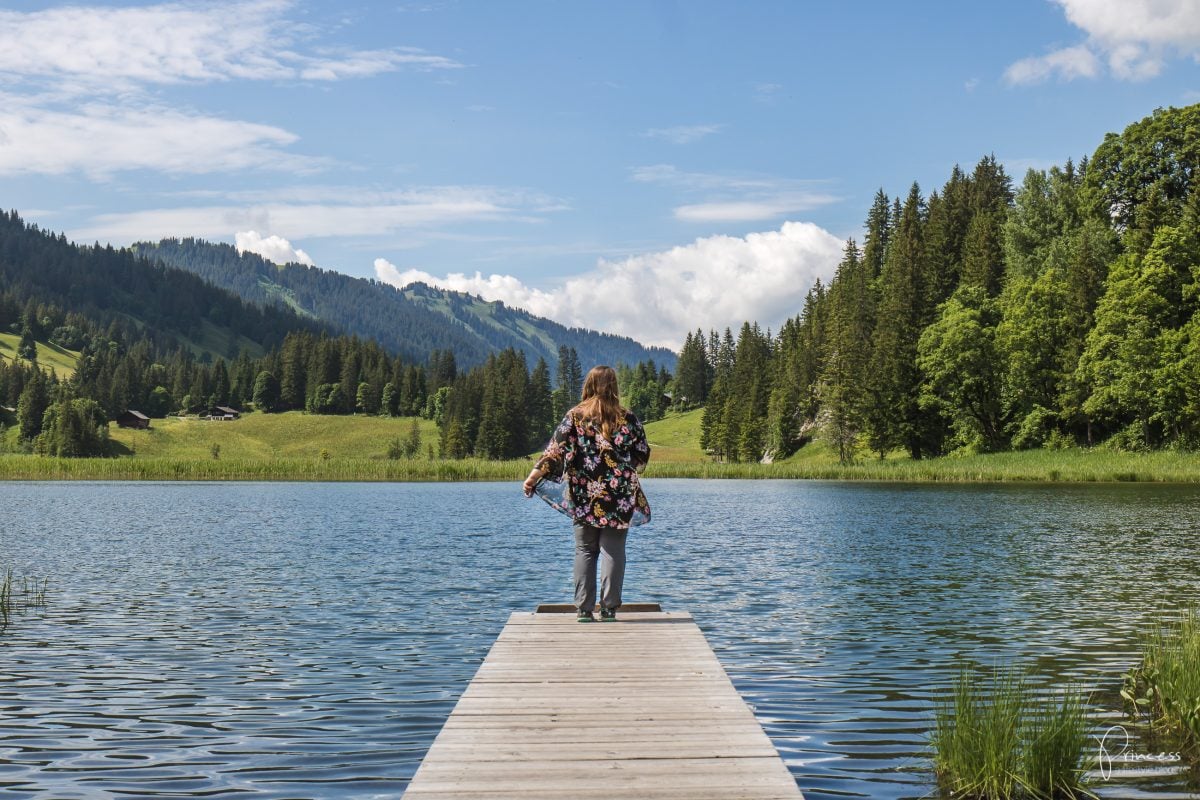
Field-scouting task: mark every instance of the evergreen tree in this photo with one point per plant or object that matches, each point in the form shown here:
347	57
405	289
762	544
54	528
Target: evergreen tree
894	416
983	248
32	405
540	413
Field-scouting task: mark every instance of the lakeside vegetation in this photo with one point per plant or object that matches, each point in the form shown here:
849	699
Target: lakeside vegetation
1165	686
1000	738
19	594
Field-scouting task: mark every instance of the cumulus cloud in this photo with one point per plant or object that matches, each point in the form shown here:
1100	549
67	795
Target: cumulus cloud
311	213
657	298
734	198
99	140
101	48
1133	37
683	134
275	249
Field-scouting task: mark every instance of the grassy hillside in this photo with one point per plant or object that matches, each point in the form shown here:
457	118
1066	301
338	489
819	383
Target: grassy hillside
676	437
49	355
271	436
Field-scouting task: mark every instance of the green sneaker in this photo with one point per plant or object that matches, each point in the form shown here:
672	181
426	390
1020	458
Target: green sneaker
608	615
584	616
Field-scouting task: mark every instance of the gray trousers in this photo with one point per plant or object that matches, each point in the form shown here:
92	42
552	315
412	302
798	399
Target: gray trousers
609	545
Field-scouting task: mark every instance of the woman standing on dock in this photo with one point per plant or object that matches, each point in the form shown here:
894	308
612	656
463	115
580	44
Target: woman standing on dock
589	471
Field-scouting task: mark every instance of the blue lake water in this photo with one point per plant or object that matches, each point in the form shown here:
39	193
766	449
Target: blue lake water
308	640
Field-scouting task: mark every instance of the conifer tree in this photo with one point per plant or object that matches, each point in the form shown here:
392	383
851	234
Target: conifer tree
894	417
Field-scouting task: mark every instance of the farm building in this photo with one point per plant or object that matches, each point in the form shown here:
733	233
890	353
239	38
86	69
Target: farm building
224	413
133	419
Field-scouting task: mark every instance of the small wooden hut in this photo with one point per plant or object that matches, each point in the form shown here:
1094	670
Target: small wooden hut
133	419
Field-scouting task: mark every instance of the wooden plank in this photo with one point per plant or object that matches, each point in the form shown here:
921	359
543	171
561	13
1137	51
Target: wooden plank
637	709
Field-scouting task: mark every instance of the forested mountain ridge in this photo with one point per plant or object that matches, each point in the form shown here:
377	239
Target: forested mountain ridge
412	322
62	288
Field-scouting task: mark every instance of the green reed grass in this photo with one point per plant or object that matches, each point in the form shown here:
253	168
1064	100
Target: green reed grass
1000	739
20	595
1166	684
1077	465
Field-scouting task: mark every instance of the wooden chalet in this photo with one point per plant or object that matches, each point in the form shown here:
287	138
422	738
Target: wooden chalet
224	413
133	419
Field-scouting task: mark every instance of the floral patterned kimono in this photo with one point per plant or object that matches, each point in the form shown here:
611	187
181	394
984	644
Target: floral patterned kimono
594	480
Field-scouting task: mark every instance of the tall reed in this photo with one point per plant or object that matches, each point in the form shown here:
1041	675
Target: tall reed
1002	739
1166	685
16	596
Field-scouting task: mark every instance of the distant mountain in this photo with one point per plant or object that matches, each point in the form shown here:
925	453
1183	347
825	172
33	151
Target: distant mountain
412	322
117	288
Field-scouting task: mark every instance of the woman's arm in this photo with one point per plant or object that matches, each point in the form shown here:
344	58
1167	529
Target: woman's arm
555	456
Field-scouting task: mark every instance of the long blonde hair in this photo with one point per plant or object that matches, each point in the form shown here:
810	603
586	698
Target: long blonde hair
601	400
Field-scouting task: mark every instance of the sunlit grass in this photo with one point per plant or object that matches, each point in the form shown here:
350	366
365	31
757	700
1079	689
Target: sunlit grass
60	359
998	738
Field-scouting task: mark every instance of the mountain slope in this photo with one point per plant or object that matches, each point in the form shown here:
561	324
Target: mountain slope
117	287
413	321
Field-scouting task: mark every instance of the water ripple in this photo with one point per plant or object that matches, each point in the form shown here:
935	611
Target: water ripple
309	640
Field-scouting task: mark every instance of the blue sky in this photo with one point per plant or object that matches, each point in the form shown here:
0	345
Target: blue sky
639	167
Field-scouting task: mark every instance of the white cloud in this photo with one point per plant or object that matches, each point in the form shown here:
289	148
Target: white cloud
1134	37
683	134
735	198
82	85
657	298
1068	64
101	139
750	210
275	249
106	49
341	213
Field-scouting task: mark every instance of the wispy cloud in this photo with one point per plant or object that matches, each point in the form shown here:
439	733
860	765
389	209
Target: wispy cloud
722	280
683	134
1066	64
735	198
81	85
100	139
366	214
1134	38
766	93
106	49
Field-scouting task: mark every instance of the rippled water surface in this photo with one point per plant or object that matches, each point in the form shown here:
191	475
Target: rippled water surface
308	640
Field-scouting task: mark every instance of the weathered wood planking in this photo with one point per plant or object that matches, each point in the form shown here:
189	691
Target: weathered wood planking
637	709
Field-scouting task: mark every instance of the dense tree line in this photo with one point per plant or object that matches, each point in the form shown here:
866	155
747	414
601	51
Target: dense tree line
412	322
983	317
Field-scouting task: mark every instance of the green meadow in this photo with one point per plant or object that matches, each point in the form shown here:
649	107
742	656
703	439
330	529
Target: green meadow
299	446
49	355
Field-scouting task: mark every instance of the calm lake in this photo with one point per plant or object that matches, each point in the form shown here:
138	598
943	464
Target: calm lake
308	640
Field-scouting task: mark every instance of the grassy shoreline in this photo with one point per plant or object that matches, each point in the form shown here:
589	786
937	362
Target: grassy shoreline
1036	466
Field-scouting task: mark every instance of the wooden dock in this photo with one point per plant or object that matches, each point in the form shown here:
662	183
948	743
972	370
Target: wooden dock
637	709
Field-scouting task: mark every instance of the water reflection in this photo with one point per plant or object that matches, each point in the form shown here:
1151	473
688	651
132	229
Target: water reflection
308	640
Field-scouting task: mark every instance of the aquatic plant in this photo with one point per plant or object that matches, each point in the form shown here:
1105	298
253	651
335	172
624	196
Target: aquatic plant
1001	739
1165	686
18	596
